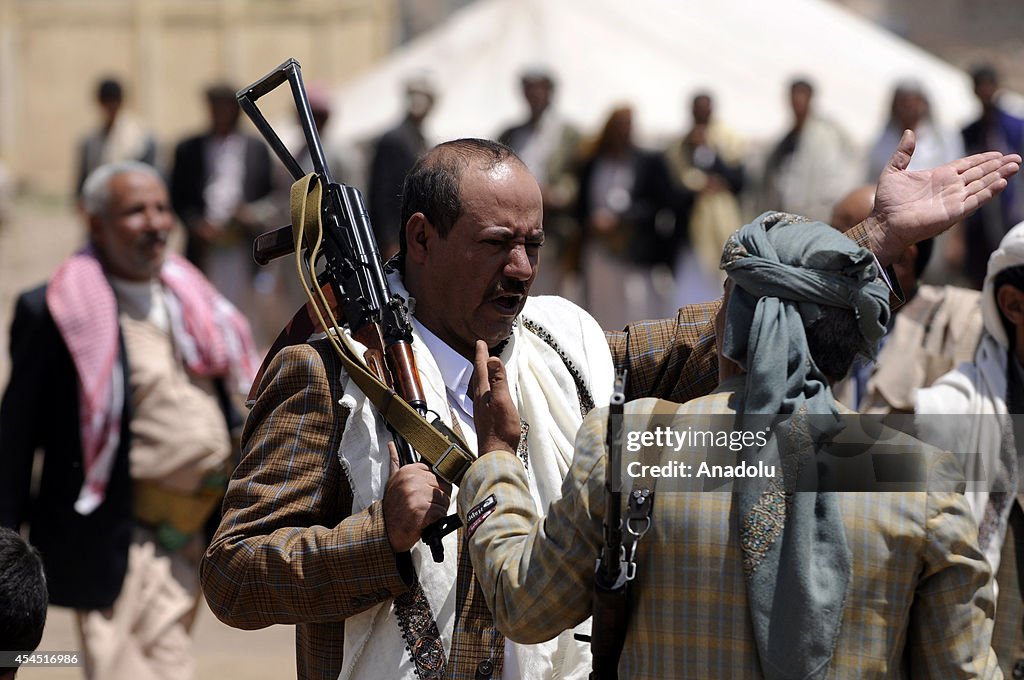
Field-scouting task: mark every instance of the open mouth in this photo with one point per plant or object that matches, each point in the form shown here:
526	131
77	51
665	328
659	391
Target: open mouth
507	304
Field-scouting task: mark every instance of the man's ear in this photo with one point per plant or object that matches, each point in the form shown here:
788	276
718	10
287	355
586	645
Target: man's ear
1011	304
93	226
418	234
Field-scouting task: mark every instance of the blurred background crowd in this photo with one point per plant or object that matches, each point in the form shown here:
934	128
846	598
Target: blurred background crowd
654	131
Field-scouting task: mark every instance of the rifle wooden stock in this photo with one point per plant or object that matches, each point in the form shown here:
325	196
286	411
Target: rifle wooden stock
406	379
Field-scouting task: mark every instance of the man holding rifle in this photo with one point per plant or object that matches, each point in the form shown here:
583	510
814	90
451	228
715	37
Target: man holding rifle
317	516
317	472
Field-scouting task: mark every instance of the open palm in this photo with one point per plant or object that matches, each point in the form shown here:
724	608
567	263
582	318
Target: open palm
912	206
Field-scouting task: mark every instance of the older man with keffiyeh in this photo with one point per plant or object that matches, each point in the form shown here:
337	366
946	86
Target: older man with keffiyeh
763	582
123	367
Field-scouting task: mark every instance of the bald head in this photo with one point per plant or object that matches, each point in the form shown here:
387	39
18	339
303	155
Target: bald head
853	208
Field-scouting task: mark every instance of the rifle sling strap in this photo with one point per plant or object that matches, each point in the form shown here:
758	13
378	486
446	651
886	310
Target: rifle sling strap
637	520
448	458
635	524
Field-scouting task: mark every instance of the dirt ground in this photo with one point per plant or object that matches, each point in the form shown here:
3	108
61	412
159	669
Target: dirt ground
32	244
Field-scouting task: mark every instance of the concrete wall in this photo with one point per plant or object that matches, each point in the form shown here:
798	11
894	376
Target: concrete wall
165	52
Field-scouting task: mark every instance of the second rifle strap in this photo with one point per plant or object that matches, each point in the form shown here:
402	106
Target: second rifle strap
447	458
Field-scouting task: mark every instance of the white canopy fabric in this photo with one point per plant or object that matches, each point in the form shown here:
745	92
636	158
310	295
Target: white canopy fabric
654	55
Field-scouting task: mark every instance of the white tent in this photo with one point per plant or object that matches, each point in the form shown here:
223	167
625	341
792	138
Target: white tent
654	54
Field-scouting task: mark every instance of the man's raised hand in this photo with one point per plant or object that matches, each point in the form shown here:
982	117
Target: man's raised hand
911	206
495	416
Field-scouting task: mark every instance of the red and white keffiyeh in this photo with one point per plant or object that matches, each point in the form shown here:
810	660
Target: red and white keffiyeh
213	338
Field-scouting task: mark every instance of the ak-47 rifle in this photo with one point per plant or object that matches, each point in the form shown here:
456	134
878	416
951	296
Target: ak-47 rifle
616	565
611	596
376	317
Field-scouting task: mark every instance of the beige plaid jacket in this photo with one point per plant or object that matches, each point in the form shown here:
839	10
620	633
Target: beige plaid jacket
920	603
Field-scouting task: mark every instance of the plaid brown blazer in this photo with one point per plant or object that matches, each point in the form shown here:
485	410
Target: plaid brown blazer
288	551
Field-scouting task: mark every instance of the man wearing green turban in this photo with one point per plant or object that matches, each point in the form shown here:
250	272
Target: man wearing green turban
766	581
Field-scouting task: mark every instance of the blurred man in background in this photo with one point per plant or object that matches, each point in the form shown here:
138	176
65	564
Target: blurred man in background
119	137
911	110
548	146
216	176
706	166
123	369
995	130
625	210
811	167
394	155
